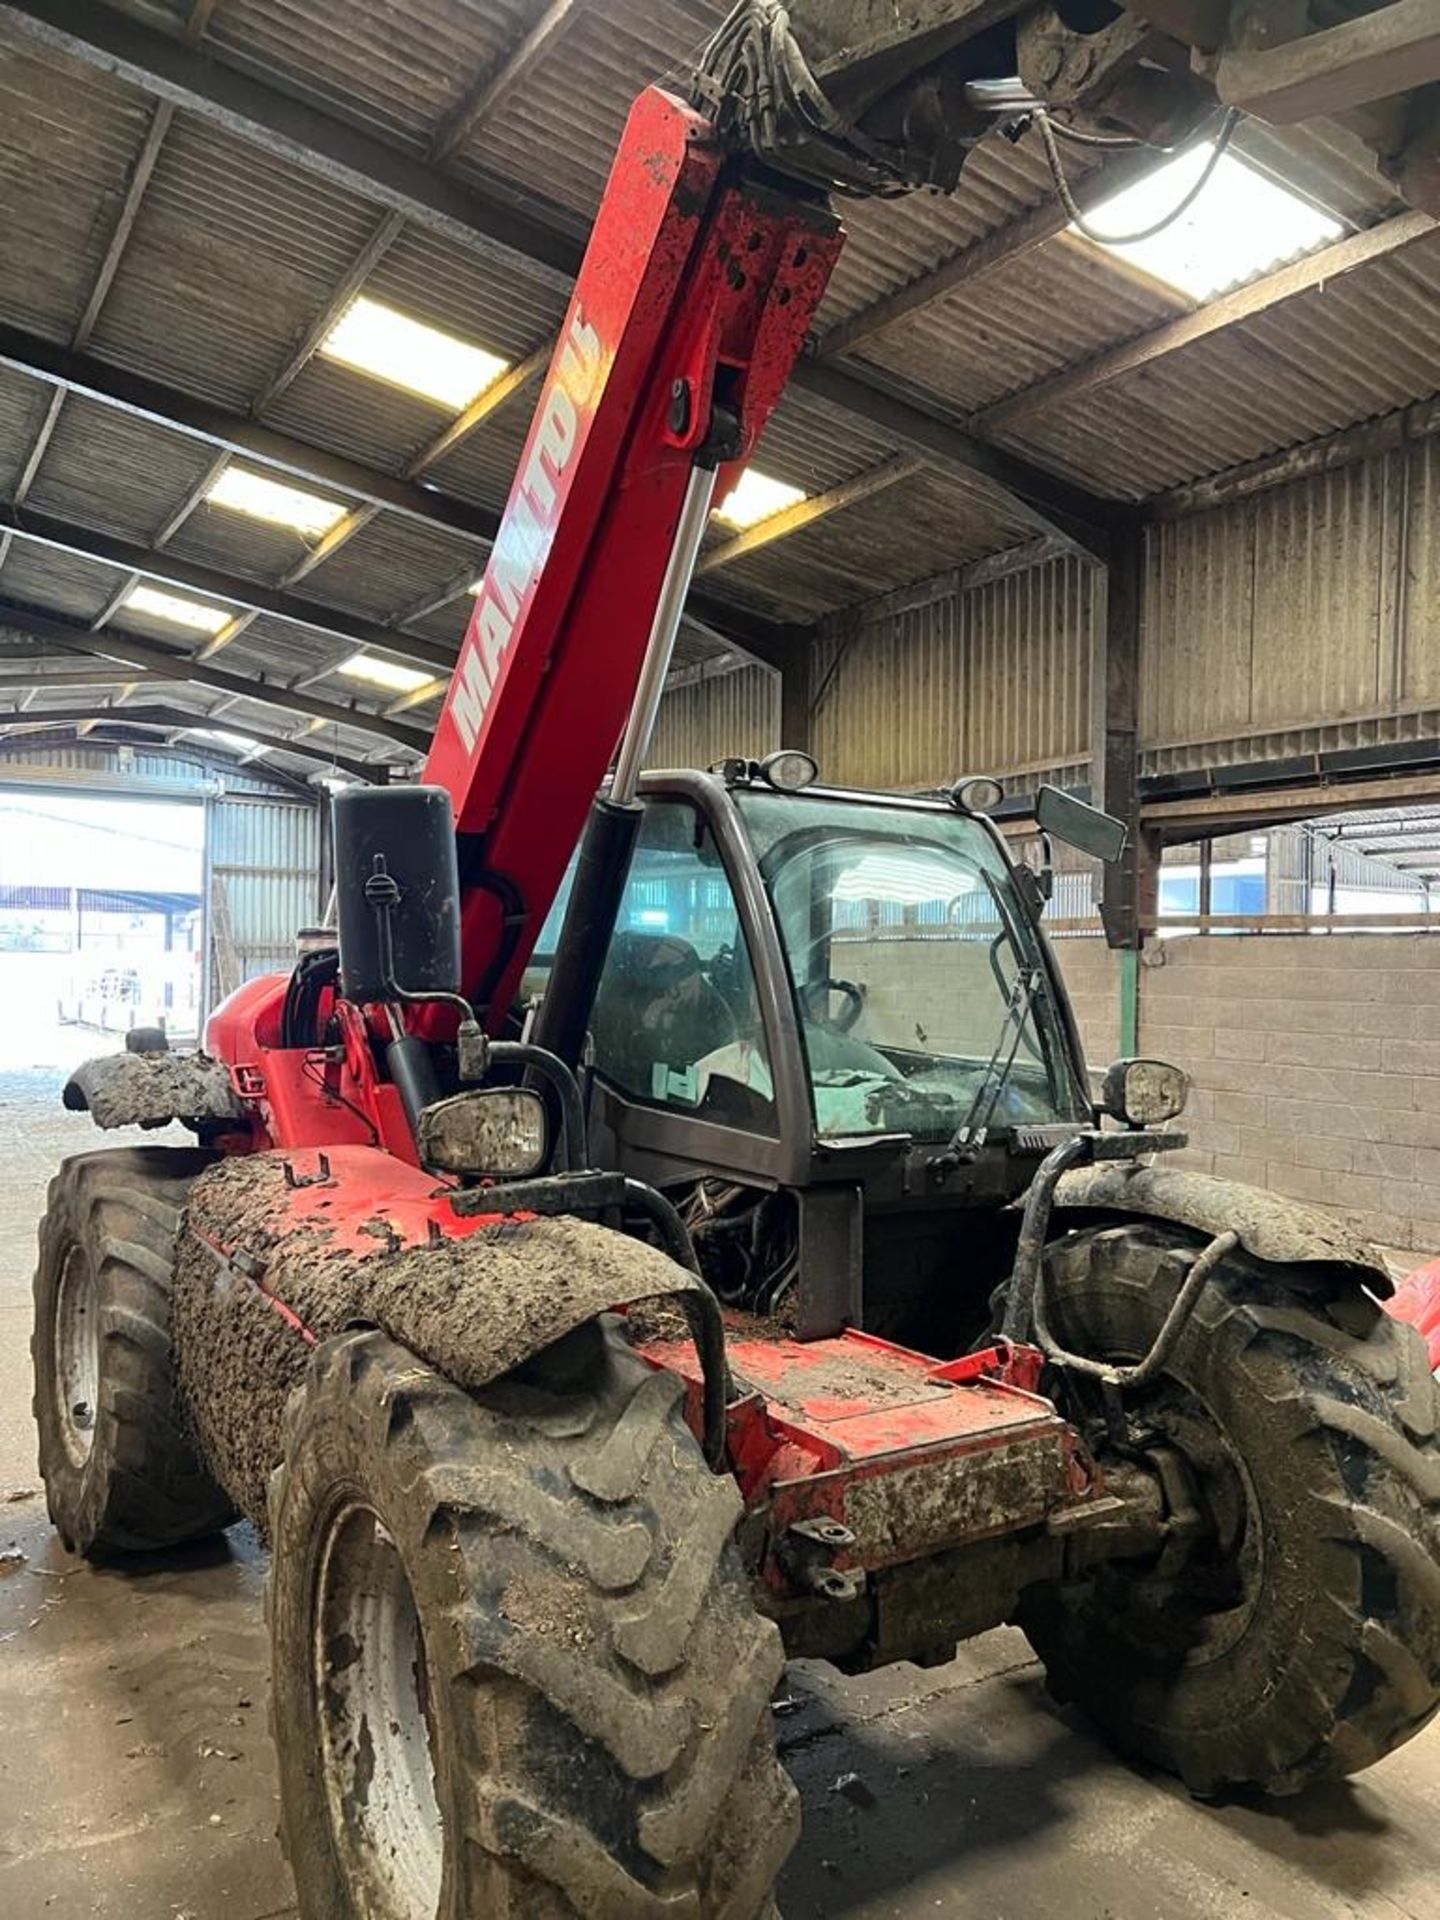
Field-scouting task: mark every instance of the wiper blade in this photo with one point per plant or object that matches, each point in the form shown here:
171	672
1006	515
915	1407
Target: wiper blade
975	1126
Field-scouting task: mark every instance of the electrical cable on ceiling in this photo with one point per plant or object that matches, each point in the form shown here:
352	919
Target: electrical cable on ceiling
1047	129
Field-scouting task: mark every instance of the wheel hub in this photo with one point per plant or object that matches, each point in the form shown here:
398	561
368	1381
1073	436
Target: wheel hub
77	1356
376	1734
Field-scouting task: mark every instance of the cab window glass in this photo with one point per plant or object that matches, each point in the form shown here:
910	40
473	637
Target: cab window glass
677	1017
536	976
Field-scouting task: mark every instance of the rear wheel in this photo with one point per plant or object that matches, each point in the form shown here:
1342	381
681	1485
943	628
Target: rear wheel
120	1470
516	1667
1297	1636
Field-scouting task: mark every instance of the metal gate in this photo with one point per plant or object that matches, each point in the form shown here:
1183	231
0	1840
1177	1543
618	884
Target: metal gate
262	880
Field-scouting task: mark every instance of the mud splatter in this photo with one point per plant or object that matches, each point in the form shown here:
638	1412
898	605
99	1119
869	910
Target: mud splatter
473	1308
149	1089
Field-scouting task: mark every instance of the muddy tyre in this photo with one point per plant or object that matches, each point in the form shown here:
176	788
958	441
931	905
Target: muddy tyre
1300	1639
516	1667
121	1473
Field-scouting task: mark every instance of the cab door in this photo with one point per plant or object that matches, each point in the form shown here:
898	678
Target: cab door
694	1050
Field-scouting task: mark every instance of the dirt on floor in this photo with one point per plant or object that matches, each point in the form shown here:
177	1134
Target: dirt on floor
137	1783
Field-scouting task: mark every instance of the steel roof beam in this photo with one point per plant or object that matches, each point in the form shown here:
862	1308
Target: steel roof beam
385	234
191	576
504	223
1051	505
198	23
40	446
235	433
805	513
166	719
125	221
500	81
1231	309
185	670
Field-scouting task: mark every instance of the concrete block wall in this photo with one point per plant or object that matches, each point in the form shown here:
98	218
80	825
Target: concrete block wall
1091	972
1316	1066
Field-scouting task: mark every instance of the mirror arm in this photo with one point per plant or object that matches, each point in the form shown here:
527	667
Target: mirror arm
573	1149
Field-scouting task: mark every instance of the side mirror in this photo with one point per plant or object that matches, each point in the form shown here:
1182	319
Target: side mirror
1080	825
497	1133
397	892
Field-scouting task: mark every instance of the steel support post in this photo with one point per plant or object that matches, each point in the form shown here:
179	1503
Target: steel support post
1129	891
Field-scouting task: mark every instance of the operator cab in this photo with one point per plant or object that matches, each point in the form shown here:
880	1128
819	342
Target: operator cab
816	1006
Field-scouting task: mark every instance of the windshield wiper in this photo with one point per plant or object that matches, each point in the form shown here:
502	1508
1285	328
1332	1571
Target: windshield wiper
974	1127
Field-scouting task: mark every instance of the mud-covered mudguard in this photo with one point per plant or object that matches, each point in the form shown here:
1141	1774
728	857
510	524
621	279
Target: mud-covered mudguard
152	1089
1272	1227
282	1251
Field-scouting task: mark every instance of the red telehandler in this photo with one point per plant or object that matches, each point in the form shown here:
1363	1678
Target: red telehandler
778	1287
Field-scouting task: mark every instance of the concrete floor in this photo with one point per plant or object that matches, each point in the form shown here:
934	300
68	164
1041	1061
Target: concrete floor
136	1781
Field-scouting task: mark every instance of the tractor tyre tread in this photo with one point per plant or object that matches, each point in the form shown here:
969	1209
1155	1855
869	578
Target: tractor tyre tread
143	1485
1333	1408
601	1663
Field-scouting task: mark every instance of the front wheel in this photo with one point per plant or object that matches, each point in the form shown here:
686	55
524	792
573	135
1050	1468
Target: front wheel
516	1668
1297	1637
121	1470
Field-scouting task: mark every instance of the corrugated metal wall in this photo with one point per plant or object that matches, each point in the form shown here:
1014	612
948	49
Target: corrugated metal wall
124	769
989	679
702	721
1306	617
1302	619
262	866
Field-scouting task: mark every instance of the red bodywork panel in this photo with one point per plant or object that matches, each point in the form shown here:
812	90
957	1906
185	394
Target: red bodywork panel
892	1444
300	1096
1417	1299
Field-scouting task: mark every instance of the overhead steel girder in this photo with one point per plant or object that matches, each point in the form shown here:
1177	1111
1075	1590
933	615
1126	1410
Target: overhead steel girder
128	556
171	719
501	222
164	406
183	669
167	408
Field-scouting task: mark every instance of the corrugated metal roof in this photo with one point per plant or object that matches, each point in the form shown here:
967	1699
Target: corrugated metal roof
1350	349
232	257
557	133
916	528
1058	305
398	69
114	471
67	142
59	582
388	565
892	242
235	255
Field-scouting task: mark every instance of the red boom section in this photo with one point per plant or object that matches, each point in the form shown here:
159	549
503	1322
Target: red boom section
694	274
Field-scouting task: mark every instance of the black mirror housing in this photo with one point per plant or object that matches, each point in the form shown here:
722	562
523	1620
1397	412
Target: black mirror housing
411	832
1079	824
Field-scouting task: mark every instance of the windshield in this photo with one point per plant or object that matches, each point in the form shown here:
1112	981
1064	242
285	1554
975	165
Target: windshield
925	1005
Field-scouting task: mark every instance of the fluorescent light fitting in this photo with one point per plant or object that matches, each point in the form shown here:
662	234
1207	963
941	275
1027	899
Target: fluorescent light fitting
274	501
393	347
388	674
237	742
179	611
1243	224
754	497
